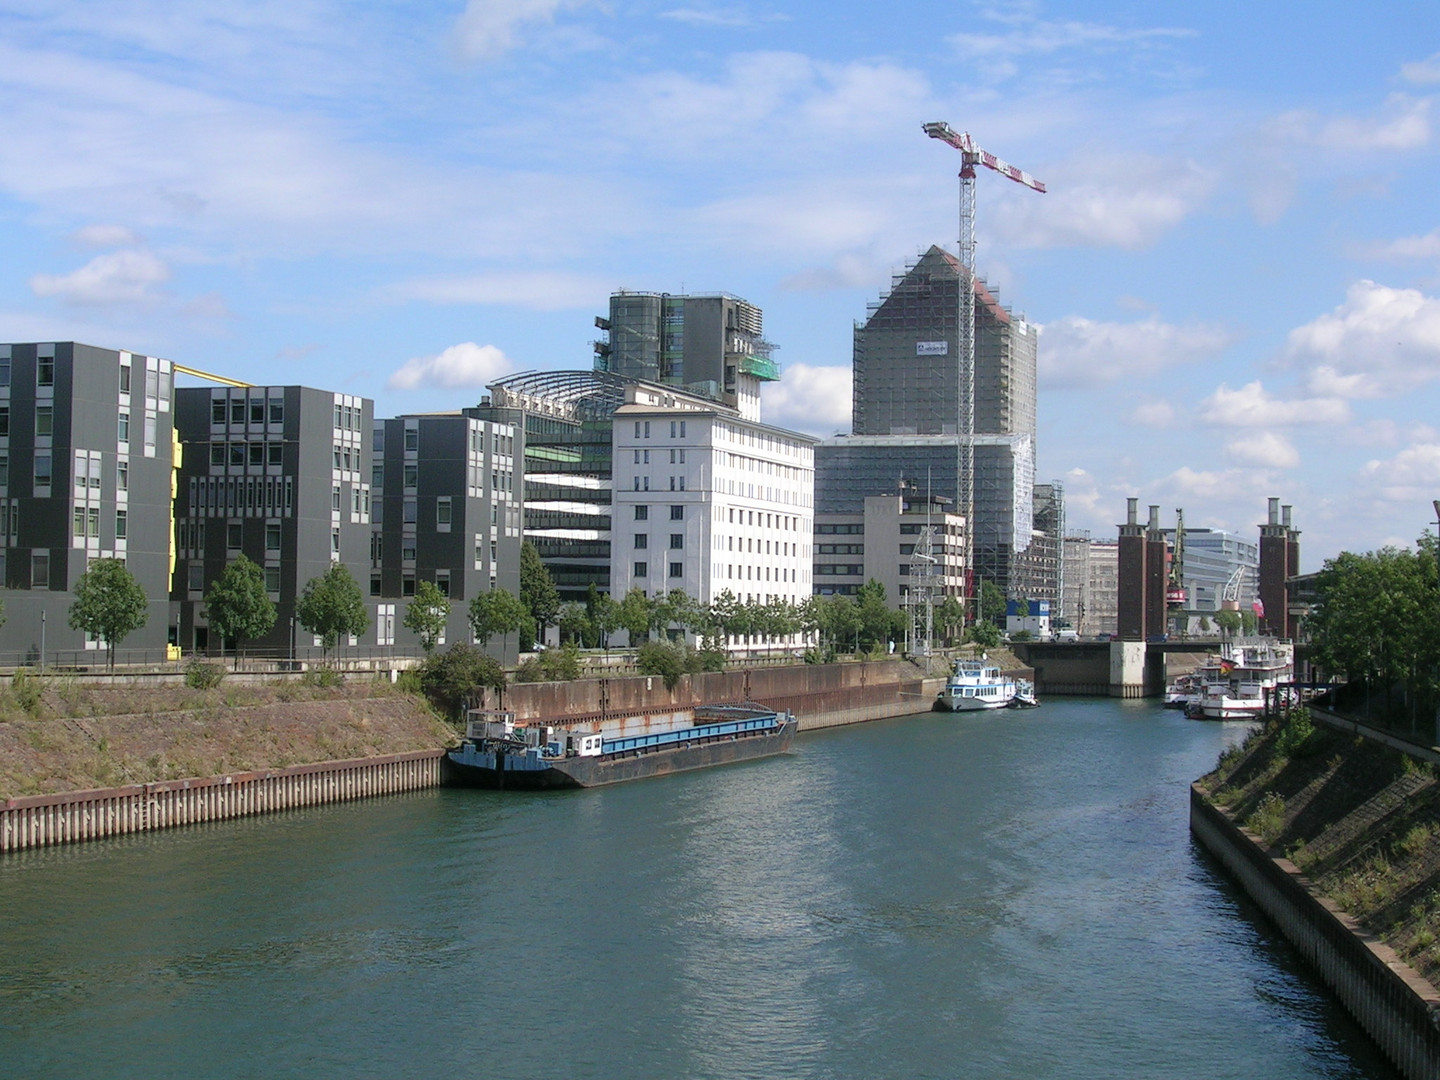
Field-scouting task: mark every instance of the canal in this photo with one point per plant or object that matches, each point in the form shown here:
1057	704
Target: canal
1012	895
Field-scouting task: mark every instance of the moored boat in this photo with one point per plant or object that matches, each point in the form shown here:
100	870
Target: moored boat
1249	673
1024	695
499	752
975	685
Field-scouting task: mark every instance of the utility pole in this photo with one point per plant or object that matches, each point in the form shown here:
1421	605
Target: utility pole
970	155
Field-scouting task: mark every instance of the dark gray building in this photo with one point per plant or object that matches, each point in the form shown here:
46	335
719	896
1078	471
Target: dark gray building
447	510
85	470
280	474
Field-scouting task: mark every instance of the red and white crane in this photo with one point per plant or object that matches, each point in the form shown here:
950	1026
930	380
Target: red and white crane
971	155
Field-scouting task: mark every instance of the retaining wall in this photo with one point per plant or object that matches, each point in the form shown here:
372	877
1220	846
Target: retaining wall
1395	1006
44	820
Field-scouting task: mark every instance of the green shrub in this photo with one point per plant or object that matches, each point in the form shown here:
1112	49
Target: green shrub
666	659
28	690
200	675
454	678
408	682
1296	731
1268	819
323	676
559	665
985	634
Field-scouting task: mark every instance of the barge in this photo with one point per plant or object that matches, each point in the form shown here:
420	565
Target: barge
499	752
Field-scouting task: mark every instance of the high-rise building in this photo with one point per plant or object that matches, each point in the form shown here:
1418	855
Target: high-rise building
712	346
1039	569
1089	585
447	510
879	543
86	455
281	475
907	388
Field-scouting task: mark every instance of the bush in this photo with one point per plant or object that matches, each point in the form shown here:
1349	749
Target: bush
560	665
28	691
1268	820
1021	635
202	676
455	677
323	676
1296	731
408	681
985	634
664	658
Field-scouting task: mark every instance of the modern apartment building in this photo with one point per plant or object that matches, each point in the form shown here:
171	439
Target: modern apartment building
86	453
881	541
446	510
280	474
712	346
707	501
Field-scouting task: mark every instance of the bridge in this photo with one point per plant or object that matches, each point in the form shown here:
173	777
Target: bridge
1123	669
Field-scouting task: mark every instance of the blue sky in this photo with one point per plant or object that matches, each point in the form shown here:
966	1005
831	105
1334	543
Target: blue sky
1236	267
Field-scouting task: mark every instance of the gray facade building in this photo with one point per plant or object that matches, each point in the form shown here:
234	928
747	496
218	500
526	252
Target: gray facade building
1091	585
879	543
447	510
1212	557
86	453
280	474
1040	568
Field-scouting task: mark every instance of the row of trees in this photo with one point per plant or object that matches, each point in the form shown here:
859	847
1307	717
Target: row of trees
1374	622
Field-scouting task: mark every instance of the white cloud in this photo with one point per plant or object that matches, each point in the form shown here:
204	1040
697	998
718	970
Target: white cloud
809	398
105	236
1403	123
1422	72
1032	36
1411	476
732	17
846	272
1105	200
1251	406
488	28
1411	247
121	277
1075	351
1380	341
1266	449
464	365
538	291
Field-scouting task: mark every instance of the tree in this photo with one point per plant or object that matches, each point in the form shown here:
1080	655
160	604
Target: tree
985	634
537	588
605	617
636	617
992	603
109	604
950	617
498	611
427	614
452	678
1228	621
331	605
574	622
876	622
238	606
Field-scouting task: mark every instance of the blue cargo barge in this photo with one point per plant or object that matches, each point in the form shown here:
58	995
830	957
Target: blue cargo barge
498	752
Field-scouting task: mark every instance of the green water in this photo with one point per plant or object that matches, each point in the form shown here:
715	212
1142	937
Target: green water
1011	895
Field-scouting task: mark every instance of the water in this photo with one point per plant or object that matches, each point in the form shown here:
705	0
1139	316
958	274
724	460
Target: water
1011	895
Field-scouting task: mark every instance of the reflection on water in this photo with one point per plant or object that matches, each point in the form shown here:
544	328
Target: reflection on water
989	896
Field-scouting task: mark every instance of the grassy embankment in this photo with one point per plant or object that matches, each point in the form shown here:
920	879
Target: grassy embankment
60	734
1360	820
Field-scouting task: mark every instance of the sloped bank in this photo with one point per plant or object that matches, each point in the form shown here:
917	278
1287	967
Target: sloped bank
1337	839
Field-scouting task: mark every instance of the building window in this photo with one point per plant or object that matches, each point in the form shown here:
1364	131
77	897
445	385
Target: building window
40	570
677	569
335	497
237	453
647	429
682	433
276	453
237	412
442	582
4	371
4	470
124	378
42	470
677	513
257	411
410	476
641	569
637	429
377	476
257	453
93	515
407	585
4	419
45	371
120	524
677	541
334	543
45	420
442	512
234	533
374	584
642	513
682	483
407	549
272	579
217	410
408	512
277	410
217	453
642	541
195	574
79	523
272	537
412	438
123	433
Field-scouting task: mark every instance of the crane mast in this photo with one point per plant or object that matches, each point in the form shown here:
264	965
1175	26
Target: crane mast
970	156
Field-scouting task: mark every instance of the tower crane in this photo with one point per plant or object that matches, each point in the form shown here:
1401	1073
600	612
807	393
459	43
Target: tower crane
970	156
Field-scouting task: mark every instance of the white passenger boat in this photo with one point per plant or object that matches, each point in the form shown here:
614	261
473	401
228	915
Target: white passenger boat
976	685
1249	673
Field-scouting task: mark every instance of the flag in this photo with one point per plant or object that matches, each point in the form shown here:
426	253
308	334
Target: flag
1258	607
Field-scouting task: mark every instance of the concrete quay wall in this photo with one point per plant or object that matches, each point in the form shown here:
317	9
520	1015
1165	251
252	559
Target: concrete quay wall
36	821
1395	1006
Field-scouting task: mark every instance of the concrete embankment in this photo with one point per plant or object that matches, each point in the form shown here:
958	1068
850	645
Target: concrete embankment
264	736
1337	840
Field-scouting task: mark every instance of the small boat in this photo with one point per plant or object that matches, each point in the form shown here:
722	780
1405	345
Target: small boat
499	752
1024	695
975	685
1249	672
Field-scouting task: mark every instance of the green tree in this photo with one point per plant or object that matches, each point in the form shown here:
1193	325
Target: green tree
876	620
950	618
537	589
427	613
331	606
992	603
574	622
985	634
1228	621
455	677
637	616
497	611
238	606
109	604
605	617
842	619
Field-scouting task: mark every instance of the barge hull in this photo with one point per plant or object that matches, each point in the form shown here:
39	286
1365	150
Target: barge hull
580	772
